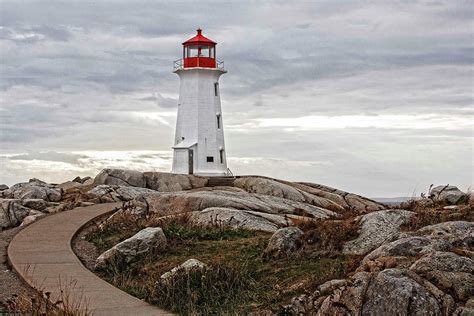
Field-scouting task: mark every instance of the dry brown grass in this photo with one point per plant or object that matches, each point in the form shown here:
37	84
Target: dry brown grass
328	235
237	274
42	303
431	216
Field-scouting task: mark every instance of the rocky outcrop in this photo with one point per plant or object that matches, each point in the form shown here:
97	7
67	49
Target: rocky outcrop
440	237
115	193
448	194
198	200
352	201
33	217
170	182
35	189
376	228
70	186
35	204
392	291
226	217
12	213
466	310
187	266
389	292
283	242
403	248
305	193
158	181
449	272
120	177
415	275
458	233
264	186
82	180
144	242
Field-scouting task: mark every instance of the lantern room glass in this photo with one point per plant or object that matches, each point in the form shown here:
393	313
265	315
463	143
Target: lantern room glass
199	51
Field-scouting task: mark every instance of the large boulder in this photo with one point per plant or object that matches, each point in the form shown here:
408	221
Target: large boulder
35	204
158	181
457	232
120	177
103	193
377	228
283	242
70	186
170	182
146	241
219	216
439	237
448	194
130	193
198	200
449	272
33	217
403	248
12	213
115	193
392	292
35	189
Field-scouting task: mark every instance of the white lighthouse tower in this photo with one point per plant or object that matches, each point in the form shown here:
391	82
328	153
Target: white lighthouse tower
199	140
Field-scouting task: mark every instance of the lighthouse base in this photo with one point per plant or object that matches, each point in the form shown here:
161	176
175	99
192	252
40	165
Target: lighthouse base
186	161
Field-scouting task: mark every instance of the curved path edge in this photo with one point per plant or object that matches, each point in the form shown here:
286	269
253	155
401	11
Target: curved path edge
42	255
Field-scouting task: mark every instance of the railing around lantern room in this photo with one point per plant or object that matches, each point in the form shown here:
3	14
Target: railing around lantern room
179	64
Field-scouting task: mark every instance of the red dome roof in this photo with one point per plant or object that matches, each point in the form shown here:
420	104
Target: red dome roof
199	39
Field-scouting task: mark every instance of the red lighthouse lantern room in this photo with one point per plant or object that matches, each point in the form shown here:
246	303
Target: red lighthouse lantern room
199	51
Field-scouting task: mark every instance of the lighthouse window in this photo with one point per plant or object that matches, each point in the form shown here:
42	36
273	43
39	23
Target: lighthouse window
218	121
199	51
221	155
216	88
210	159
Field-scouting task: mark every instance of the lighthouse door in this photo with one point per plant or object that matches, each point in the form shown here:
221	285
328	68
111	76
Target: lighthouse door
190	161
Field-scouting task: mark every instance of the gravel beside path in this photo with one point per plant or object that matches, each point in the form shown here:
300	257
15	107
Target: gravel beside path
10	283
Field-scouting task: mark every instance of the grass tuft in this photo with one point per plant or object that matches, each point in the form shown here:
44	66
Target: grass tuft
217	289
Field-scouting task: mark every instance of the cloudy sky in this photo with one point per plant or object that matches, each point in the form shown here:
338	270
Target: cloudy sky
373	97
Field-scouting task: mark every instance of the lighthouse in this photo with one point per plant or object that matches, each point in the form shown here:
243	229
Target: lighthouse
199	139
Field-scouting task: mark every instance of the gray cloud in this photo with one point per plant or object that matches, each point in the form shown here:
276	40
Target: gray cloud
49	156
97	76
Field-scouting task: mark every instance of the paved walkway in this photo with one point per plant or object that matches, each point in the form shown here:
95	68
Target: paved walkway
41	253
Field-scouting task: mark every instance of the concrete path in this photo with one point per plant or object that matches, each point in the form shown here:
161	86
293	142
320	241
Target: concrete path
42	254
